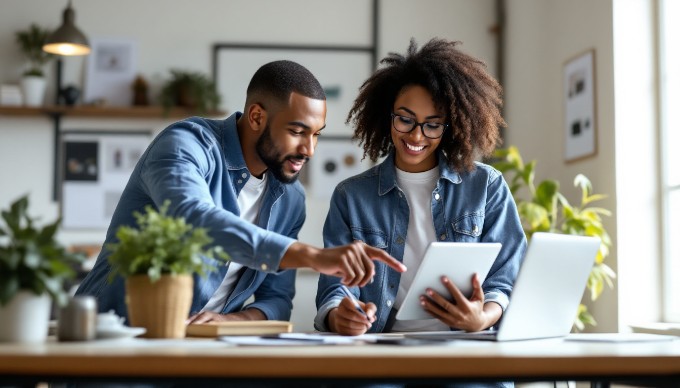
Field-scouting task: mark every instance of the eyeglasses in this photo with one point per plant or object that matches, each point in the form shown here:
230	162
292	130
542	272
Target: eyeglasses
405	124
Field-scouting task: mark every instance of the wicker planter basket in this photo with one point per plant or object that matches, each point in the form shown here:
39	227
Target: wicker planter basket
161	307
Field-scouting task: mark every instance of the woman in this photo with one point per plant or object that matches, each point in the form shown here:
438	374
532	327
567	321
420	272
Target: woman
431	113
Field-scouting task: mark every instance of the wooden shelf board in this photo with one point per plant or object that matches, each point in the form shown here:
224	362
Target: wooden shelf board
96	111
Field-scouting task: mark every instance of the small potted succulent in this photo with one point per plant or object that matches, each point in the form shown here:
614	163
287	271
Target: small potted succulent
33	82
157	259
33	270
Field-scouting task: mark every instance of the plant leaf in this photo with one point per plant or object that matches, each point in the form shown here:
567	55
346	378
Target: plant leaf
584	183
546	194
9	285
592	198
528	173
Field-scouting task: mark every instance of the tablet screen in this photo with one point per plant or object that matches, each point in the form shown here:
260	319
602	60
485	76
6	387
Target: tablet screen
458	261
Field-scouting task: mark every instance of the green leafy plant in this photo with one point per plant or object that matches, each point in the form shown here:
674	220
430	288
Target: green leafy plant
545	209
191	90
31	259
31	42
161	244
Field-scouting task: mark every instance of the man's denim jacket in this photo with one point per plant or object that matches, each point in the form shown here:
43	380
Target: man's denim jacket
198	165
466	207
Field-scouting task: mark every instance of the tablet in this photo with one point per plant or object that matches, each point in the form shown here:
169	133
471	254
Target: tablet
458	261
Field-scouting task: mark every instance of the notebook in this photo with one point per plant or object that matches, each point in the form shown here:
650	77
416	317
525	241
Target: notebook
547	291
458	261
220	328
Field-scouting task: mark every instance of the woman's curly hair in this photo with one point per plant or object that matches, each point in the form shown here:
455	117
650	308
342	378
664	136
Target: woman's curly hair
460	86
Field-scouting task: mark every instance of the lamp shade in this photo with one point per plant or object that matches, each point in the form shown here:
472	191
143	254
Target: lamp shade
67	39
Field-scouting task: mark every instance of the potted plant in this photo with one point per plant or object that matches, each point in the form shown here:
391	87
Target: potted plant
33	81
547	210
157	259
192	90
33	269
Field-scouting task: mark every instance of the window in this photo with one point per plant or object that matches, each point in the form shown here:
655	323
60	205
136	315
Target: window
669	65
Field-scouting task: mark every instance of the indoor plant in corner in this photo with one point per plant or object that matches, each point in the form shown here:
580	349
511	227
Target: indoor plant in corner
33	269
547	210
33	82
157	259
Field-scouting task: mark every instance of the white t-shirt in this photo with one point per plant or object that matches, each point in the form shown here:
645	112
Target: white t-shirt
249	202
417	187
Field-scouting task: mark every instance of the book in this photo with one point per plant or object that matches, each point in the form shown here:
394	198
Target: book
216	329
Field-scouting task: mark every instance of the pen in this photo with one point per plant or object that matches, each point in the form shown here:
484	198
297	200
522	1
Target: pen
353	298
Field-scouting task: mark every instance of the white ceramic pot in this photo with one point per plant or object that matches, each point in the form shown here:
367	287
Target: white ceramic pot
33	88
25	318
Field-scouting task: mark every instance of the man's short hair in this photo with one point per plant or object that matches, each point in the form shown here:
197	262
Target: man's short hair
277	80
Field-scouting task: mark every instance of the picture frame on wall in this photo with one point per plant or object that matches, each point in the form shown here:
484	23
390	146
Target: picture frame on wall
341	70
110	72
96	166
580	124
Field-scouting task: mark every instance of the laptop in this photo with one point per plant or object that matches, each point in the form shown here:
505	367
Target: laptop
546	294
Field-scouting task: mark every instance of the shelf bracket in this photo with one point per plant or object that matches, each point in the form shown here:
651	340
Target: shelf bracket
56	181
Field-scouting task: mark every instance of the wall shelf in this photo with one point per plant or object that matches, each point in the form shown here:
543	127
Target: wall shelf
57	112
151	112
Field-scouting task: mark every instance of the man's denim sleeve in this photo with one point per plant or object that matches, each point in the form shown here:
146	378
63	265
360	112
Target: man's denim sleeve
176	168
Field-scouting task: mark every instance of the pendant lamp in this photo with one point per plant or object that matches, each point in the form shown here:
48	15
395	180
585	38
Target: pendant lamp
67	39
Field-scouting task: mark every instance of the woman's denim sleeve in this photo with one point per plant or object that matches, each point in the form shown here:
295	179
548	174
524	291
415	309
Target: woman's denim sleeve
336	232
502	224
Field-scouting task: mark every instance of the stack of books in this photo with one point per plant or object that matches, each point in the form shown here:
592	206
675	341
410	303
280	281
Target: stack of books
10	95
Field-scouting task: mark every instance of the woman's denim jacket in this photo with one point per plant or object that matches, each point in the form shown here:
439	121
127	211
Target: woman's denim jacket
466	207
198	165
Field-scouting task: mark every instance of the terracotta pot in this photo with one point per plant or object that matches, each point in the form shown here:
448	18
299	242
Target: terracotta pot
161	307
25	318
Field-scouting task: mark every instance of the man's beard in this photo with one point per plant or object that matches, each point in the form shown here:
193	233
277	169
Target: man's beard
273	158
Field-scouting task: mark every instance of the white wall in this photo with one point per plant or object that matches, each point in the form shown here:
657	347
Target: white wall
179	34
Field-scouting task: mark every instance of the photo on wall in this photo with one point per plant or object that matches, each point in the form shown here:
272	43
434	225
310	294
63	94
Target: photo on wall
111	69
80	161
96	166
580	136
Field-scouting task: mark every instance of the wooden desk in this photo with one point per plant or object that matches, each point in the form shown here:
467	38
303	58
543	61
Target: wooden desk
462	360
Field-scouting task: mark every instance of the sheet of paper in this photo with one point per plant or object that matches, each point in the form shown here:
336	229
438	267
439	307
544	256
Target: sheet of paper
291	339
619	337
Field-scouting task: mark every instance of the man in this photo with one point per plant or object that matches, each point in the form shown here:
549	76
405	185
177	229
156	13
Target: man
237	178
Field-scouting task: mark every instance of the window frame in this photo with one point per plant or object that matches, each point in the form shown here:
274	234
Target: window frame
670	312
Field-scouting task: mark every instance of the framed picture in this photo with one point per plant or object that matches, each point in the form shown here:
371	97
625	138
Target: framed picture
340	69
96	167
111	69
580	125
